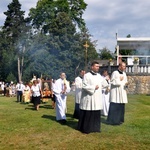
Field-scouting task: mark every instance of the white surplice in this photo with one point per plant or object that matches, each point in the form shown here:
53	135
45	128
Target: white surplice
60	98
91	99
105	99
118	92
78	89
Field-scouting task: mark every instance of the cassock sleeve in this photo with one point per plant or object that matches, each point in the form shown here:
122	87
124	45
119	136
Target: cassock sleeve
115	79
68	87
78	83
56	88
105	84
87	86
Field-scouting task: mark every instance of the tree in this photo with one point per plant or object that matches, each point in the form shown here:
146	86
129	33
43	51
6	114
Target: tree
56	51
106	54
15	31
54	45
47	10
59	50
14	21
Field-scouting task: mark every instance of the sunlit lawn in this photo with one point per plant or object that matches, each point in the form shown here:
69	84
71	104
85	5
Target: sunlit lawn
21	127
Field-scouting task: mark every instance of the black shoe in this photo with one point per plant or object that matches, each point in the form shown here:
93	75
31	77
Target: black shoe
110	123
63	121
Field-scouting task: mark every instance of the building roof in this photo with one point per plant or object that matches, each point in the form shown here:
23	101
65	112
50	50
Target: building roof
105	62
133	43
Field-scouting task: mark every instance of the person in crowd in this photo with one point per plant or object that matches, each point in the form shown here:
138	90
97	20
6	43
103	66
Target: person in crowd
106	94
20	88
78	92
39	82
2	87
34	78
91	100
118	96
10	90
53	97
26	93
5	89
13	89
60	89
73	86
36	94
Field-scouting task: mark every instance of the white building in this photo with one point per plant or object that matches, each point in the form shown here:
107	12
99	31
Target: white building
140	47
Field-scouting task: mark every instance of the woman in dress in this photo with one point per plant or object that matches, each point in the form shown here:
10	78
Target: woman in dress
36	94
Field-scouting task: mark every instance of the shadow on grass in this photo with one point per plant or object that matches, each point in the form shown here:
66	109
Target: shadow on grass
29	105
104	120
49	117
72	123
46	106
30	108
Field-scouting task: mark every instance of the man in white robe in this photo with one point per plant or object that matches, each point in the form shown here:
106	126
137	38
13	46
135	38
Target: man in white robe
78	92
60	89
91	100
118	96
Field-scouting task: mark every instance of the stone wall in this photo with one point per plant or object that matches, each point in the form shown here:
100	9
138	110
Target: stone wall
139	84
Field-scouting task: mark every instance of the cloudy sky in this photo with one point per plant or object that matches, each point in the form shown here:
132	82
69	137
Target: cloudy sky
106	17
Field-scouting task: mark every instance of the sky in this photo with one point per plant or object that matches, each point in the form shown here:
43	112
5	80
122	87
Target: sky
105	18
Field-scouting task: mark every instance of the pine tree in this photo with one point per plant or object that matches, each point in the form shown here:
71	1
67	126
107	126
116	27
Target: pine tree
14	21
14	29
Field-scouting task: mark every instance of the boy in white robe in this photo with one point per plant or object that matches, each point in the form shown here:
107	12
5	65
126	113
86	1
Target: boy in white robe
78	92
118	96
105	94
60	89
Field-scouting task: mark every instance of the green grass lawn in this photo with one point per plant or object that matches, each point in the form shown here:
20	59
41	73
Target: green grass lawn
21	128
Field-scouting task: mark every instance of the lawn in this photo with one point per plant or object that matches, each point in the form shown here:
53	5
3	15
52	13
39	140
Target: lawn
22	128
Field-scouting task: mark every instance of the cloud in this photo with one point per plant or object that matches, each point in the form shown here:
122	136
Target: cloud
106	17
25	6
28	4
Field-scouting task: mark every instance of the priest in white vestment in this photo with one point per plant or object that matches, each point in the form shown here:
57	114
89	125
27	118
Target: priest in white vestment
91	100
78	92
118	96
60	89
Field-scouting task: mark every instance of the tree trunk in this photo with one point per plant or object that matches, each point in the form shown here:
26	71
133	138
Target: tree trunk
19	73
22	60
20	64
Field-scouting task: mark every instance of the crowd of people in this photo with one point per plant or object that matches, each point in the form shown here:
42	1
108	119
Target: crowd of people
95	95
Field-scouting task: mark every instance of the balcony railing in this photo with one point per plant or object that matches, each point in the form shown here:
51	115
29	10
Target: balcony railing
130	69
142	69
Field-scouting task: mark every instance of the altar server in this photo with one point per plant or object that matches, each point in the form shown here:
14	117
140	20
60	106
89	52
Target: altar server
60	89
118	96
78	92
106	94
91	100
